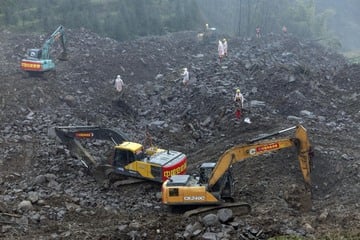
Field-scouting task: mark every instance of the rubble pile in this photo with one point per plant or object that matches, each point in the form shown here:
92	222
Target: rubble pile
45	192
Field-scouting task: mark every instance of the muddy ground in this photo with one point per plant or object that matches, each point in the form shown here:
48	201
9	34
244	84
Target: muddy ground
47	194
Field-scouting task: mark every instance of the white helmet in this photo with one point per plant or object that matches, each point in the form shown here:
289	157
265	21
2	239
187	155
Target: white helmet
118	76
185	69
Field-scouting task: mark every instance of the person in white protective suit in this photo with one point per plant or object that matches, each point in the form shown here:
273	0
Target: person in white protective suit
239	98
119	84
225	47
119	88
185	77
220	50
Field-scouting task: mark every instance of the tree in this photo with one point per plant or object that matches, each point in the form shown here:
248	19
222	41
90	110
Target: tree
128	19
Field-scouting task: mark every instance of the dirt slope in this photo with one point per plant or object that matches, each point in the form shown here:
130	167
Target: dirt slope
286	81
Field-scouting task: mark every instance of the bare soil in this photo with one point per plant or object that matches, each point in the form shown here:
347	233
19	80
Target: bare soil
286	81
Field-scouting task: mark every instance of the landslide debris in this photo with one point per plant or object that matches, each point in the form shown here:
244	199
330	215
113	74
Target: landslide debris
45	193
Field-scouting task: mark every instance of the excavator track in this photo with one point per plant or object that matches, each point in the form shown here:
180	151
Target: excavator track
128	181
105	176
239	208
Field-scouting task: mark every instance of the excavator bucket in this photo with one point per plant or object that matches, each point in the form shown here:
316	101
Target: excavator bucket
304	156
100	173
63	56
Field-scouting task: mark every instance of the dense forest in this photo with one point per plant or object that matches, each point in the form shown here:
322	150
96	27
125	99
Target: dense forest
346	21
129	19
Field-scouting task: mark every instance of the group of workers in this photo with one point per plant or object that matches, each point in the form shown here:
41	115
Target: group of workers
223	52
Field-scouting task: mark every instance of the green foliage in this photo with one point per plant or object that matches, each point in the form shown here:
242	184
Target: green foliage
241	17
128	19
354	57
121	20
332	43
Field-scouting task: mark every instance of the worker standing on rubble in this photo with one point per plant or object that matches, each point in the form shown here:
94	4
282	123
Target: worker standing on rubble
284	29
119	84
258	32
185	76
239	102
220	50
225	47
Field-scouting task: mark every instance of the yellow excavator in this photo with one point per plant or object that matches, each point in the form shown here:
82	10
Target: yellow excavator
131	162
215	184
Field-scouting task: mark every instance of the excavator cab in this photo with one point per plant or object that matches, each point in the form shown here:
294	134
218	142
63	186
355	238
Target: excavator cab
123	157
34	53
224	187
126	153
205	172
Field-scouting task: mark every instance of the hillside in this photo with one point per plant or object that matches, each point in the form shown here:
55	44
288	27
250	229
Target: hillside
286	81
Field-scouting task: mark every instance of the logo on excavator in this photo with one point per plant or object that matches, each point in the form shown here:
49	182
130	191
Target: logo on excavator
176	171
267	147
28	65
252	151
84	135
194	198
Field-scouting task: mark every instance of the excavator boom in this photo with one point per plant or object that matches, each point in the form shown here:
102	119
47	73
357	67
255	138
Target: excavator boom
58	34
70	136
255	148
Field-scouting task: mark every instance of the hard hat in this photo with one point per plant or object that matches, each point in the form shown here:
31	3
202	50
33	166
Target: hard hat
118	76
224	39
238	90
185	69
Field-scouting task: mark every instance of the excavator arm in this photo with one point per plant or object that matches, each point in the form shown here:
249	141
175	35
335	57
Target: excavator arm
58	34
70	132
256	148
215	184
69	135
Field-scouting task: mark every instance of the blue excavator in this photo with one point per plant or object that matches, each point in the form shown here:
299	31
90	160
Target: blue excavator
37	61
